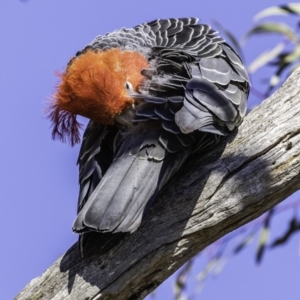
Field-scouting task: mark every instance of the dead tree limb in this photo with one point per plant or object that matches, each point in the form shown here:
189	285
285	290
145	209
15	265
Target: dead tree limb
214	194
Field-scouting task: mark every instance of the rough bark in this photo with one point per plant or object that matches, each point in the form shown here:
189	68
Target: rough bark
214	194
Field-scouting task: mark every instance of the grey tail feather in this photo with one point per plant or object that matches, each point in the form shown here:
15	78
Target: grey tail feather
118	201
141	168
132	182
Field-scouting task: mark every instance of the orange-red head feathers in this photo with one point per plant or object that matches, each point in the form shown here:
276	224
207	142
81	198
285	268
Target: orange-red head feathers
94	86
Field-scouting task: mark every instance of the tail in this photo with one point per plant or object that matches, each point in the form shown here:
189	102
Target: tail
140	169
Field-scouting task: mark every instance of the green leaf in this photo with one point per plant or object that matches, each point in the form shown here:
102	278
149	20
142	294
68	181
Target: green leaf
264	236
181	280
265	57
208	268
273	27
220	265
244	243
292	57
284	61
291	8
294	227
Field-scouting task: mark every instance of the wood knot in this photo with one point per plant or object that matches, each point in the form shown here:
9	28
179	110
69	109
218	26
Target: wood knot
289	146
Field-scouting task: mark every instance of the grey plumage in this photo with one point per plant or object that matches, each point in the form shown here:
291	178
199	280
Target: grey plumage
195	91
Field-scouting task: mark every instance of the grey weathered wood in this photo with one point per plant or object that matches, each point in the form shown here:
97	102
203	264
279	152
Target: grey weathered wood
237	182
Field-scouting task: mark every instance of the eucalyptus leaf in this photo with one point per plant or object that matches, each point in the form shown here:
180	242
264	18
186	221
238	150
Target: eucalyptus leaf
264	236
293	56
273	27
243	244
291	8
266	57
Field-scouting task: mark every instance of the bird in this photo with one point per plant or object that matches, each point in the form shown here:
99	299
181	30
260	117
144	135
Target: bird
154	94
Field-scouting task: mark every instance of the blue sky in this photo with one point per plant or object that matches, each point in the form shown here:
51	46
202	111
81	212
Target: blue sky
38	181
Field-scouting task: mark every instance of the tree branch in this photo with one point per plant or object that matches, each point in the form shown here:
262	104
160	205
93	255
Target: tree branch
217	193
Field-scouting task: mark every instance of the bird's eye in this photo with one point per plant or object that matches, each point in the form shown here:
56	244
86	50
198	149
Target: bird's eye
128	86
